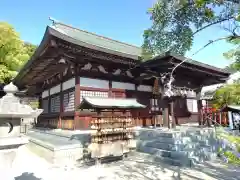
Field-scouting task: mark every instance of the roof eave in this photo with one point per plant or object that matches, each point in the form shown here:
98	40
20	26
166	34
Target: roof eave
29	63
202	65
169	54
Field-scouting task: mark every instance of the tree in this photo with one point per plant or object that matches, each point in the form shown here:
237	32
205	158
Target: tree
13	52
175	22
229	94
234	54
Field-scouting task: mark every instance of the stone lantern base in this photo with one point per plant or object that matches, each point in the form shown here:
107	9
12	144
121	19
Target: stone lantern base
11	114
8	150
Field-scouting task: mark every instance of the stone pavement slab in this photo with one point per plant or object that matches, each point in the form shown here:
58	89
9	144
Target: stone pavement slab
137	166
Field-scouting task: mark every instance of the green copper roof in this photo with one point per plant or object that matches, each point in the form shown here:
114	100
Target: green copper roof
97	40
109	103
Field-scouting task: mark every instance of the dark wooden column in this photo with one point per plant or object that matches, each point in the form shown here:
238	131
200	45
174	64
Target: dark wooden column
77	96
173	114
200	113
110	89
134	113
165	113
199	105
61	102
49	102
165	117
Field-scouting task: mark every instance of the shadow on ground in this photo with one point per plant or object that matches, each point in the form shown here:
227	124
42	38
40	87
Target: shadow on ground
140	168
27	176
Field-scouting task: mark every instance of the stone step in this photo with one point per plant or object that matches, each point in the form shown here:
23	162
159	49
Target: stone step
171	161
178	147
182	140
203	153
175	133
171	147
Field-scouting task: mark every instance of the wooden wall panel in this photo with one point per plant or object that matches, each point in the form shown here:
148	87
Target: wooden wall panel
48	122
82	123
68	123
192	119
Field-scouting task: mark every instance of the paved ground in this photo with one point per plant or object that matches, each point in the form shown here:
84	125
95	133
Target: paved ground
28	166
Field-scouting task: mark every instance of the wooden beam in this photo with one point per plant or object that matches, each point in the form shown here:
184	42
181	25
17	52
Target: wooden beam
86	52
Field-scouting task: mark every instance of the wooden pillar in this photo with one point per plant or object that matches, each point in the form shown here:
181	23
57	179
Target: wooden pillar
61	104
77	95
165	114
49	106
200	112
173	115
49	101
164	103
110	94
134	113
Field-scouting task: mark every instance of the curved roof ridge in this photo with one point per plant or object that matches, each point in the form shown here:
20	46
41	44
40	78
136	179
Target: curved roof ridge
101	36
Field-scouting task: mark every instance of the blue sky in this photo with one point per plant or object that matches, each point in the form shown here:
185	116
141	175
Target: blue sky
123	20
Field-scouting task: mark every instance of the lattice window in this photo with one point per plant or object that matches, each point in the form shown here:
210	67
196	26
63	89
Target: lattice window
45	105
55	104
192	105
69	101
93	94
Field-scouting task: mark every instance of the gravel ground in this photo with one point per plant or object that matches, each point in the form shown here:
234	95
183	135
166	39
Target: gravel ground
28	166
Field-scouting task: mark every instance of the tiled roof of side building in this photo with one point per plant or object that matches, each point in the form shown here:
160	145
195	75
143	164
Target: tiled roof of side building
188	61
97	40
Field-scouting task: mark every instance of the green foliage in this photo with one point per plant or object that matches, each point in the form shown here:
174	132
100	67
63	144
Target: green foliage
174	23
34	104
232	158
234	55
229	94
13	52
233	139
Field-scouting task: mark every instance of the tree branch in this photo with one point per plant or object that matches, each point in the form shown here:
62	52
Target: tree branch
213	41
213	23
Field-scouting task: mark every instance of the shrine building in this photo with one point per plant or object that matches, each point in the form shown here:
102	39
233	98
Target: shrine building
71	64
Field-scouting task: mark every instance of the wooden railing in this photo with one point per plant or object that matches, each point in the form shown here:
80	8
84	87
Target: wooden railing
216	116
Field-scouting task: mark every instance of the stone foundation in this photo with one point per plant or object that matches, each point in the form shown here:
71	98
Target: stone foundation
68	147
183	147
57	156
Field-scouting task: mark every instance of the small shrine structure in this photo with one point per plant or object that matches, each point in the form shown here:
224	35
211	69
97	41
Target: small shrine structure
112	126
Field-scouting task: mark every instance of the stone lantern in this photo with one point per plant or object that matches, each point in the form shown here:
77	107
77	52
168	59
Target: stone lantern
11	114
